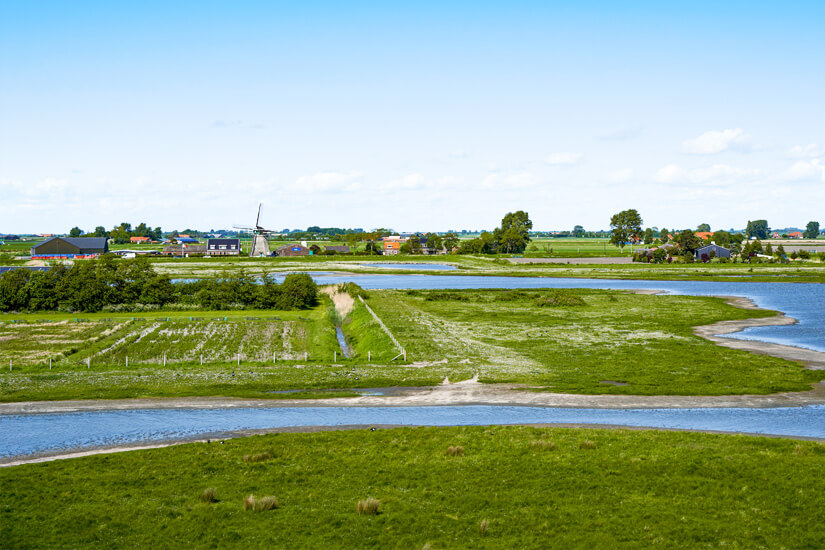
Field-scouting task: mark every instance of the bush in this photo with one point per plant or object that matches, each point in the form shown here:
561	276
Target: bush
353	289
298	291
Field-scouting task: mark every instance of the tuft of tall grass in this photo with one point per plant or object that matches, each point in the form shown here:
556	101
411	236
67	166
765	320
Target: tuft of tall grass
368	507
457	450
260	504
543	445
257	457
484	526
209	495
559	298
587	444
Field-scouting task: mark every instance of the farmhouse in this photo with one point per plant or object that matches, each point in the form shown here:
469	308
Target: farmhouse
184	249
292	250
70	247
392	244
795	235
704	235
140	240
223	247
712	251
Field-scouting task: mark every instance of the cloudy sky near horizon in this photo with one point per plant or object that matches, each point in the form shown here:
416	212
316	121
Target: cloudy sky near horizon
432	116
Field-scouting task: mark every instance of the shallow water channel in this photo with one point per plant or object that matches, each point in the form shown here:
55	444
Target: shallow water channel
42	433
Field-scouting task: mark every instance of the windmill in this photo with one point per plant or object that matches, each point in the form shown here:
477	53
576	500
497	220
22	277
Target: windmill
260	246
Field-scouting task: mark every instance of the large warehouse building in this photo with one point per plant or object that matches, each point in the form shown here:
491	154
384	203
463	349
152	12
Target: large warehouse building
70	247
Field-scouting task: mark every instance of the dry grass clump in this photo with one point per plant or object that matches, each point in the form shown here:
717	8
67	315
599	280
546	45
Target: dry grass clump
457	450
368	507
257	457
483	526
559	298
543	445
587	444
209	495
259	504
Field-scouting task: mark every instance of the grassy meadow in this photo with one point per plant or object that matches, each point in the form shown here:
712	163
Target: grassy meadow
466	487
576	341
584	341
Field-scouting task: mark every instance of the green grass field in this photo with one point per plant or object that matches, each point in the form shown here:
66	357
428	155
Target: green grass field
644	343
512	487
614	342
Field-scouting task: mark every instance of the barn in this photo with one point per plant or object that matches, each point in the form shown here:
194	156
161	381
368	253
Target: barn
223	247
712	251
71	246
292	250
337	249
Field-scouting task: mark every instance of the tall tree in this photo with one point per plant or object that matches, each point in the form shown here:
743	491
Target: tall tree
514	233
703	227
757	228
648	236
75	232
688	241
625	225
811	230
578	231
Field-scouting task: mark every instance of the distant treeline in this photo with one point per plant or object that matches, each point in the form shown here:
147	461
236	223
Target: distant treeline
132	285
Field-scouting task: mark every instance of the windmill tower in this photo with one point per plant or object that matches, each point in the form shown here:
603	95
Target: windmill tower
260	246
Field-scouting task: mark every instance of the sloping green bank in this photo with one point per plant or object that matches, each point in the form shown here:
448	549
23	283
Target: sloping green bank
499	487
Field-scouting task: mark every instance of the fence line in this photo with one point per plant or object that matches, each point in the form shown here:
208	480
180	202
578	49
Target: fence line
383	326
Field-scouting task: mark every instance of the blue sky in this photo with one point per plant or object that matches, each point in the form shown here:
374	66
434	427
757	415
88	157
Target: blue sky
425	117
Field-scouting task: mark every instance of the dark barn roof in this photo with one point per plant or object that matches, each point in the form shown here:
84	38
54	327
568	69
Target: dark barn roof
76	245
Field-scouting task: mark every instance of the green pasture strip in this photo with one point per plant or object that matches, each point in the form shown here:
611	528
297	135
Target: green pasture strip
616	342
511	487
250	379
54	316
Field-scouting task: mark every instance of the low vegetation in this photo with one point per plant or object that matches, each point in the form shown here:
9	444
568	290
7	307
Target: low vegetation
630	488
580	341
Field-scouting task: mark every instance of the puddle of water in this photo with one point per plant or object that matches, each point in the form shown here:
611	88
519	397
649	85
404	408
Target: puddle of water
30	434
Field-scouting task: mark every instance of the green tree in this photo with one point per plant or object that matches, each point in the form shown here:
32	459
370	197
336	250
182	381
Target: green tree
703	228
100	231
722	238
663	234
75	232
811	230
688	241
415	244
758	229
372	248
450	241
648	239
578	231
624	226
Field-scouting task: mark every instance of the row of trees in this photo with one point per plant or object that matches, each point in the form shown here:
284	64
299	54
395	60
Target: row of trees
120	233
95	285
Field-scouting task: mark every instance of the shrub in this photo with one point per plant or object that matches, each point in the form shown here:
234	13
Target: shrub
368	507
209	495
446	296
510	295
259	504
353	289
458	450
559	298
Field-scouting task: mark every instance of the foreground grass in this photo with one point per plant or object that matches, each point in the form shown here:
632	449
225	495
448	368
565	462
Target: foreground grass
530	487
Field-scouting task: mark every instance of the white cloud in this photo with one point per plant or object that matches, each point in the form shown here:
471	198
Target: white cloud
812	169
329	182
410	182
619	176
717	142
718	174
811	150
515	181
556	159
